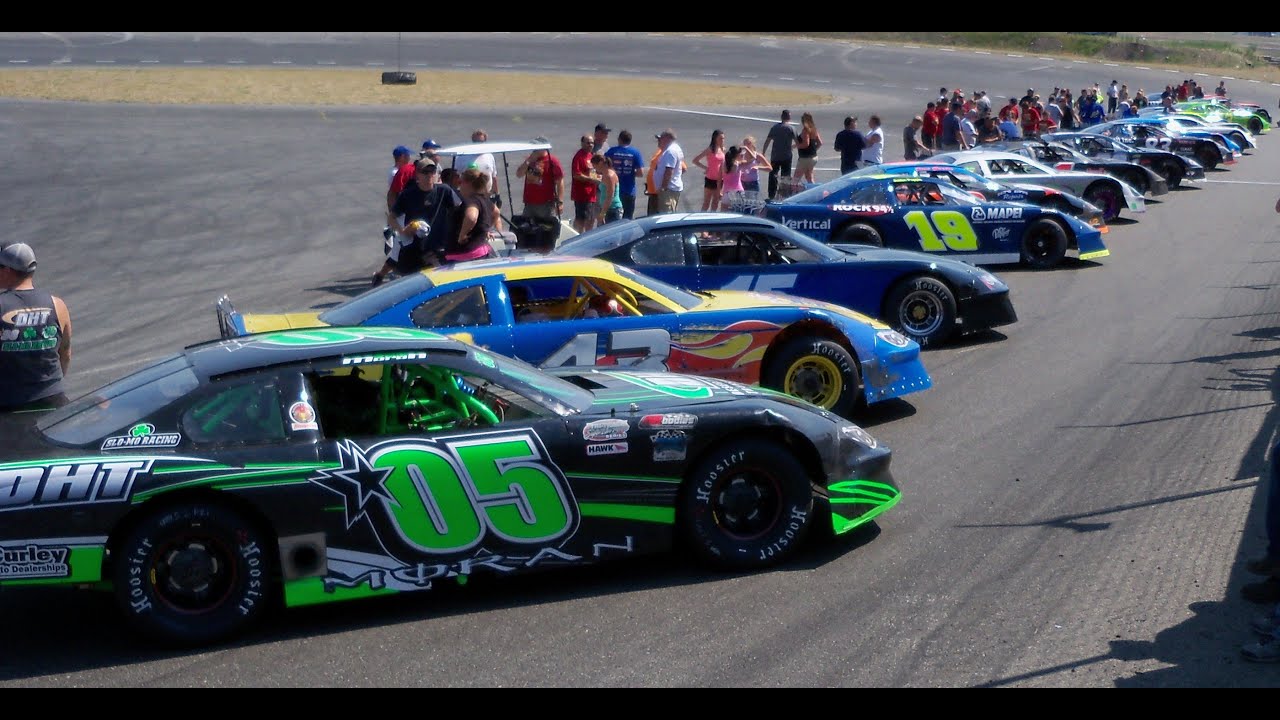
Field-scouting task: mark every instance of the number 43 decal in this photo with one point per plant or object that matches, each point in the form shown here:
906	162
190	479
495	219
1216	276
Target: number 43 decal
955	230
646	348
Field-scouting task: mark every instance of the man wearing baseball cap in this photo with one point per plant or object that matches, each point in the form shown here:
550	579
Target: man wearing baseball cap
35	336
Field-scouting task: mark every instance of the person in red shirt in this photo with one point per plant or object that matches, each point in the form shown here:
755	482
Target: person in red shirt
1030	121
931	127
1010	111
543	184
584	187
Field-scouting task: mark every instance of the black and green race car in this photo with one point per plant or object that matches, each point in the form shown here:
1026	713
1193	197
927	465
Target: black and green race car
313	466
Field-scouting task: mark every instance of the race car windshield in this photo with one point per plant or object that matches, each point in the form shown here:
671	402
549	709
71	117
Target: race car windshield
114	407
684	299
362	307
601	240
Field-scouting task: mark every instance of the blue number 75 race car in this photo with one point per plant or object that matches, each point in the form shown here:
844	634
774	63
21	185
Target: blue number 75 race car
311	467
929	214
572	312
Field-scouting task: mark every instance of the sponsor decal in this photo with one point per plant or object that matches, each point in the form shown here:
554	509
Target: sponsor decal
34	561
350	569
670	445
383	357
319	337
302	416
614	448
602	430
668	421
894	338
29	330
1014	195
49	484
1000	233
807	224
142	435
997	214
485	360
866	209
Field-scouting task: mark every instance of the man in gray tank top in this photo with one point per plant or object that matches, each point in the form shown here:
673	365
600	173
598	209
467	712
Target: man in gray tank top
35	336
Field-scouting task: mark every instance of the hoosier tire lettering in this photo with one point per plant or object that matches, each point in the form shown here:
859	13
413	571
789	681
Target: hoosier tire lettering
747	505
194	574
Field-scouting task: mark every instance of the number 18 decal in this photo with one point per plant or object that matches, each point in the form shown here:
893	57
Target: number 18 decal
955	229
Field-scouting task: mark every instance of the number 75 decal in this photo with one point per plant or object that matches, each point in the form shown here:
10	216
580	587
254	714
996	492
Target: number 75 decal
955	230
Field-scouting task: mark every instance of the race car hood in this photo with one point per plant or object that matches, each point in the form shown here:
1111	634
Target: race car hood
743	300
257	322
653	391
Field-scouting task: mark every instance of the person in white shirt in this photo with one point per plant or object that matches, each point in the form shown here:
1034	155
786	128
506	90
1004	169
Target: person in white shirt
485	163
873	153
670	177
967	128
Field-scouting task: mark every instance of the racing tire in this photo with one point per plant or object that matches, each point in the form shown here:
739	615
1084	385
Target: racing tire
1208	157
923	308
860	234
819	371
1044	244
1108	197
1255	126
747	505
1173	174
193	574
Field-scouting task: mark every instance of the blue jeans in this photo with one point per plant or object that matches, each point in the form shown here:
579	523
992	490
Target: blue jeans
1273	505
628	207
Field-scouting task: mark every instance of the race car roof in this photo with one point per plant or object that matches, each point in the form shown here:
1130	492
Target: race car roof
262	350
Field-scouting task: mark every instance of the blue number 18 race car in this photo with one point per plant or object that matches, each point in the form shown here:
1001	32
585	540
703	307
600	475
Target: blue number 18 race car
924	213
311	467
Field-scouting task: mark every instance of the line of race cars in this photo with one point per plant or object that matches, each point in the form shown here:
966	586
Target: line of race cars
685	380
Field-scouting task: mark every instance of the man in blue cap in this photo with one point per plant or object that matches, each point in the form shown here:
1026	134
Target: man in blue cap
429	148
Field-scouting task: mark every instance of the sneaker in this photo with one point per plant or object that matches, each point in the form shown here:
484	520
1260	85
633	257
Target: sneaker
1264	566
377	279
1265	651
1267	591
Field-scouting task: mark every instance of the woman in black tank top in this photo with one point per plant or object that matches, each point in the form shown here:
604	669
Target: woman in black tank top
472	242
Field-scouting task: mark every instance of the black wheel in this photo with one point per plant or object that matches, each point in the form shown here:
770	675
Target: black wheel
748	504
1208	157
1044	244
860	233
923	308
1255	126
1172	173
194	574
819	371
1107	196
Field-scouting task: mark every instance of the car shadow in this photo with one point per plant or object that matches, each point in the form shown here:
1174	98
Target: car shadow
349	287
973	339
1068	263
1122	221
1184	187
64	631
884	412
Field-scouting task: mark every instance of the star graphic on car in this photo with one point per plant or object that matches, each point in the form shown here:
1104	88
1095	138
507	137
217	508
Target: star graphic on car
356	481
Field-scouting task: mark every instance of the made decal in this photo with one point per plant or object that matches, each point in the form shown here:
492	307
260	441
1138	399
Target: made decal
69	483
996	214
142	435
34	561
670	446
351	569
424	498
302	416
30	330
602	430
384	358
614	448
669	421
807	224
863	209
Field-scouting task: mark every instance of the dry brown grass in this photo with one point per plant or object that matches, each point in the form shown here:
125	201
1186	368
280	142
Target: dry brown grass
270	86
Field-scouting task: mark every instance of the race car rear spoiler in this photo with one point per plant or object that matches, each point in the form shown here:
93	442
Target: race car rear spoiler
230	322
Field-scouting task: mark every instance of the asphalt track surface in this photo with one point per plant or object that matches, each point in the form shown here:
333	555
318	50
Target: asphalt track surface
1081	489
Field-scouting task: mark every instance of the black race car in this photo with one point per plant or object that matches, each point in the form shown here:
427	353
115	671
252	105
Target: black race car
1174	168
1063	157
1138	132
306	467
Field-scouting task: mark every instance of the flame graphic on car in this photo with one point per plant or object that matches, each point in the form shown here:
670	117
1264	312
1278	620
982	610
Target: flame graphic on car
732	353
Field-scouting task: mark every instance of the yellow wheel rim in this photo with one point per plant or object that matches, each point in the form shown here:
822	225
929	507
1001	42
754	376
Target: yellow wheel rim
816	379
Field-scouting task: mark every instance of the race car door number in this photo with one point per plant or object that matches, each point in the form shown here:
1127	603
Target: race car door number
649	347
942	230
